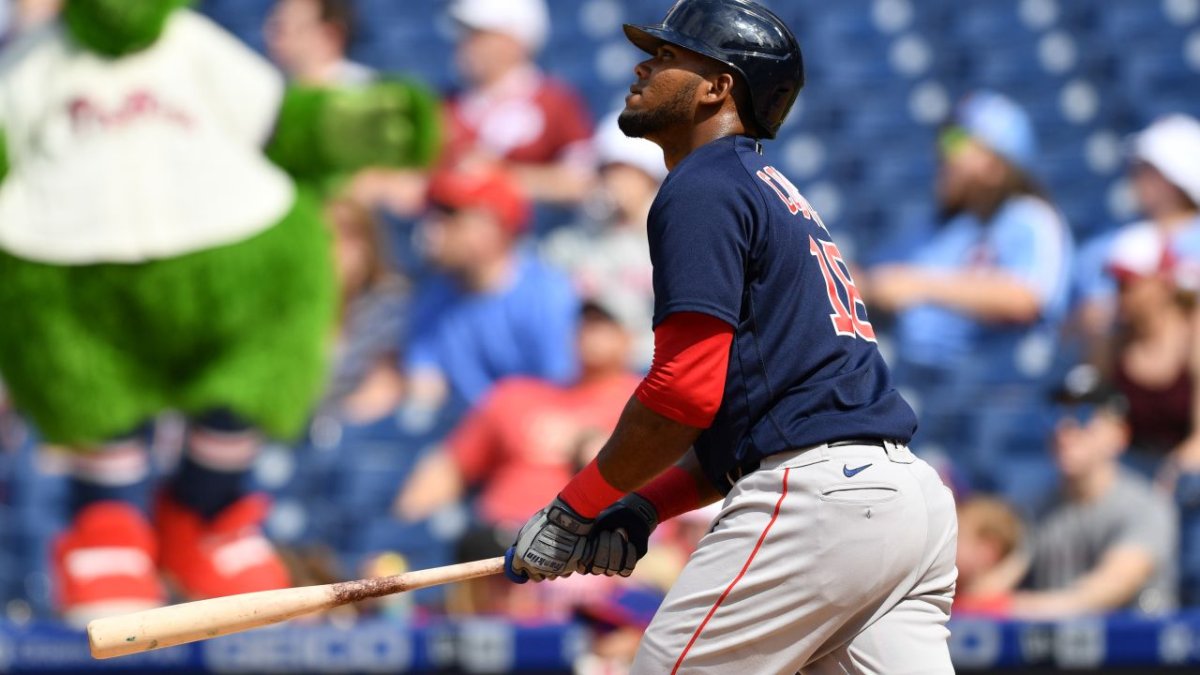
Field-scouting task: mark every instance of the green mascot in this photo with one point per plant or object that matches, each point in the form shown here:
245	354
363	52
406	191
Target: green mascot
157	251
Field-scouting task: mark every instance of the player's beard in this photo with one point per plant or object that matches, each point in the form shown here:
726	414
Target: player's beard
643	123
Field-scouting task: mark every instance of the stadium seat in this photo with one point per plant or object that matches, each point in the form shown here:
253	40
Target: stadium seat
1134	47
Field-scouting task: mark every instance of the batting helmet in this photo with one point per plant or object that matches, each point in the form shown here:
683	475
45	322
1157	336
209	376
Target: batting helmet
743	35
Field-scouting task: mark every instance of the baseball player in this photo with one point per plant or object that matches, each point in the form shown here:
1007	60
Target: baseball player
834	549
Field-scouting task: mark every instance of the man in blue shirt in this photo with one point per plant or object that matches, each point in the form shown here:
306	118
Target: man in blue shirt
979	307
834	547
491	311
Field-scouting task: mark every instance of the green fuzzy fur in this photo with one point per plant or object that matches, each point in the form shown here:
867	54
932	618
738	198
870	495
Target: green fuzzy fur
118	27
322	132
243	327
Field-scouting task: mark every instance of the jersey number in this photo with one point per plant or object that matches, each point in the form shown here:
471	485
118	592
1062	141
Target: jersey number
845	319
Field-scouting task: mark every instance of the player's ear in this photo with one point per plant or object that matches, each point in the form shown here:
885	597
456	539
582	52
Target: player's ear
718	87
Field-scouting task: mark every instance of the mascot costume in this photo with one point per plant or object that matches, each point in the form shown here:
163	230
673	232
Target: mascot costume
157	251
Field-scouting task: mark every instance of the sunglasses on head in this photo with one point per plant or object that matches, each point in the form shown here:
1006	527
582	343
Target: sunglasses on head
1081	414
952	140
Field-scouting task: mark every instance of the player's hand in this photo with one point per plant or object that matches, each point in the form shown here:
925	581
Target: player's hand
549	546
620	537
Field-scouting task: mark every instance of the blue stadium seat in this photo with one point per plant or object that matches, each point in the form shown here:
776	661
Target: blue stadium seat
987	22
243	17
857	105
1187	498
1002	66
1123	20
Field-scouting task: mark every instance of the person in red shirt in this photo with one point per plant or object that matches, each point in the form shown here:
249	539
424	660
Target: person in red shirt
509	111
989	534
529	436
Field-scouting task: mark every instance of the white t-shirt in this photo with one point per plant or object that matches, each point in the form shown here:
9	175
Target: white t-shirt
149	156
610	265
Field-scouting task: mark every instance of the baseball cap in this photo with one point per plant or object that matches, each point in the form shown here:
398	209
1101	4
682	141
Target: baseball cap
593	308
1139	252
1084	386
626	607
609	306
487	188
525	20
999	123
614	147
1172	145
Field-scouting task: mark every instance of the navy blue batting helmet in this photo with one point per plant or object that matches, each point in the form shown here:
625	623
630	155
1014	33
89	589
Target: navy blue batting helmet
743	35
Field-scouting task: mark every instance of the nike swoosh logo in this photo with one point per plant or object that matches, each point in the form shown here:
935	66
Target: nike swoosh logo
851	473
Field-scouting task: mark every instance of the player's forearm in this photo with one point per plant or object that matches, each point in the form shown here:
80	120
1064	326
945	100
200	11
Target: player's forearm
706	492
643	445
992	297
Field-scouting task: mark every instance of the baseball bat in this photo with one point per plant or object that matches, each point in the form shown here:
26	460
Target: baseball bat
203	619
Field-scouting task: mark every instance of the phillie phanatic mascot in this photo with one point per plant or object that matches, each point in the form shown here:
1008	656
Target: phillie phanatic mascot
157	251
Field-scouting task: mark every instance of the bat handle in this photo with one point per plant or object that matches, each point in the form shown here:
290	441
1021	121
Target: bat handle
512	574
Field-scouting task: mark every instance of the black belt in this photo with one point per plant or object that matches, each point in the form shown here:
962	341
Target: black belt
877	442
748	467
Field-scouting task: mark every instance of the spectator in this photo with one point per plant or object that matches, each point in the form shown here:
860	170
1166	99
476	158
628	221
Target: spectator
308	40
19	17
516	449
989	533
615	625
509	111
188	271
521	444
1110	540
1152	364
607	252
617	620
365	383
980	305
1165	173
492	312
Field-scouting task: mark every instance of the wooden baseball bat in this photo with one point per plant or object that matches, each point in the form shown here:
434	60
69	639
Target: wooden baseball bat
203	619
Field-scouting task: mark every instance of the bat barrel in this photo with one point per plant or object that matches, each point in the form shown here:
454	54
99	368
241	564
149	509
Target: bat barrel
203	619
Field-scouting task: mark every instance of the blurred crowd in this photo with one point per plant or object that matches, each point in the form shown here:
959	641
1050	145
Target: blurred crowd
482	356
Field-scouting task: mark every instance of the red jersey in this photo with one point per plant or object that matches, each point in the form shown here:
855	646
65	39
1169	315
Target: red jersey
522	443
527	118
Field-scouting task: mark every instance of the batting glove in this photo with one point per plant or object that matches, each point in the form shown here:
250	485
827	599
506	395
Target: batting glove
620	537
550	545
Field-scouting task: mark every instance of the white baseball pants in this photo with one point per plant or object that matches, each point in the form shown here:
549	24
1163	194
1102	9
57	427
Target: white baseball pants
828	560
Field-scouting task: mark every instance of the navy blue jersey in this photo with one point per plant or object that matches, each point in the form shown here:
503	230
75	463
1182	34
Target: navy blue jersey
731	237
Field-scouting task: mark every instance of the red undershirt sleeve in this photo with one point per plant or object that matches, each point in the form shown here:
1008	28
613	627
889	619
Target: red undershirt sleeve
686	382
